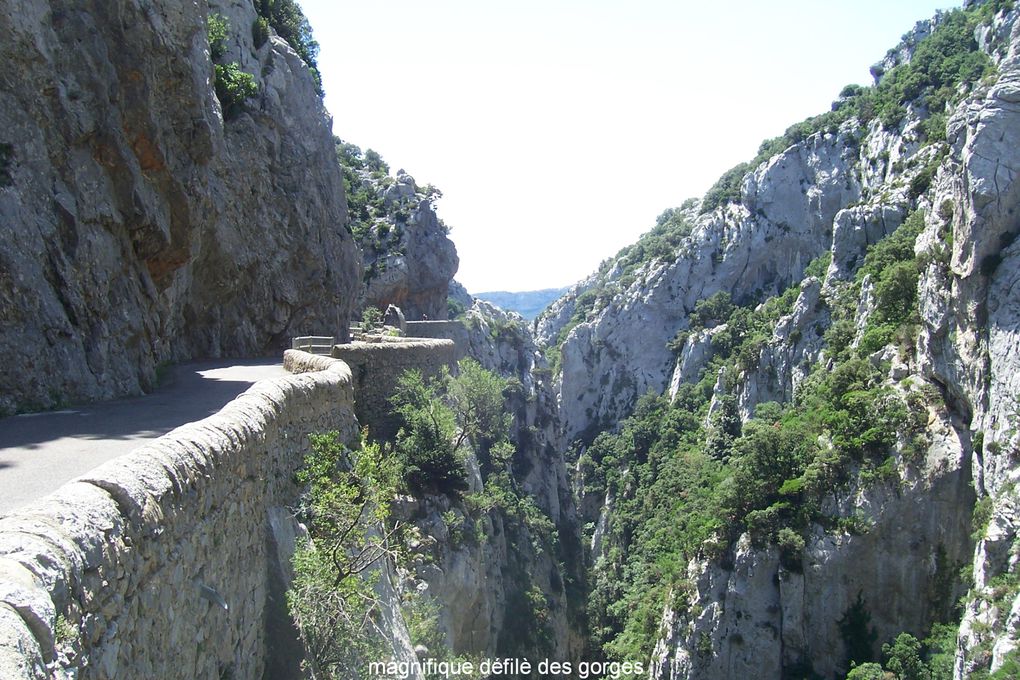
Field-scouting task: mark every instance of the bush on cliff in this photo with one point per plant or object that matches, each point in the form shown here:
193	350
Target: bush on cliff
426	445
233	88
289	22
218	29
441	417
332	599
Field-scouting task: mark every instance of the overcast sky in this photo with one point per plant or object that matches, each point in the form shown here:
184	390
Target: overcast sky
559	129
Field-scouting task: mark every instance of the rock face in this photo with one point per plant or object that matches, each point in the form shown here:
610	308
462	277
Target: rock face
761	244
746	613
140	226
409	259
972	336
749	615
488	571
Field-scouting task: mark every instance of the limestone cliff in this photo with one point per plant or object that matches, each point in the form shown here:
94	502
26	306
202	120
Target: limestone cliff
409	258
507	583
797	230
141	223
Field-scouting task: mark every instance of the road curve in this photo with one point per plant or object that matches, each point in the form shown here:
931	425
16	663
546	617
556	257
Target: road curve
41	451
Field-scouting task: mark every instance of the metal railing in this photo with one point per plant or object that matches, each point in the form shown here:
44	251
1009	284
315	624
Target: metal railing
314	344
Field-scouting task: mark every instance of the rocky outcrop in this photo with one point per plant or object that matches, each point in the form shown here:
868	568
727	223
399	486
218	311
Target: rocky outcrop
894	565
795	346
490	571
409	259
971	335
762	244
140	225
750	612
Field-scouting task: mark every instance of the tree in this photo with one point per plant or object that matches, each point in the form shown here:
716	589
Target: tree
476	396
904	658
858	634
896	292
426	443
712	310
868	671
332	599
373	161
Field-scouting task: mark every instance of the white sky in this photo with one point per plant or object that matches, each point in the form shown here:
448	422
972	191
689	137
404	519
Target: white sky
559	129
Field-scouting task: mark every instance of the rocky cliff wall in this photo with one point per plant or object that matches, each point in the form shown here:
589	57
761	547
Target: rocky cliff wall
971	337
745	613
409	258
507	584
142	225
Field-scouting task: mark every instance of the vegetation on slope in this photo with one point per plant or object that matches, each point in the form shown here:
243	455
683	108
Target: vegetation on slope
943	68
346	505
378	224
688	478
289	22
233	86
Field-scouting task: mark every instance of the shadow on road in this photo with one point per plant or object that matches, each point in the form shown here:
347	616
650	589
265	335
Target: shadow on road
191	392
41	451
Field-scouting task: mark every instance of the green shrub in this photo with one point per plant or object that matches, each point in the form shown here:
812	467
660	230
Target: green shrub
920	182
712	311
259	32
287	19
455	308
981	517
933	128
332	599
429	459
896	292
477	399
371	318
867	671
894	271
218	30
373	161
819	266
1010	668
858	634
727	188
903	657
233	88
791	548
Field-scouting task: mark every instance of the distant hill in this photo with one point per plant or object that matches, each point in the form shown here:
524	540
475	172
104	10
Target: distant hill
527	303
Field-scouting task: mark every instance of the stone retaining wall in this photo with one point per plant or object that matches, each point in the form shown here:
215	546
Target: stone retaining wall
376	367
159	563
448	330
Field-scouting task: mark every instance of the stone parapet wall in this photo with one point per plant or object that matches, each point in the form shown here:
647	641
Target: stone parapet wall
448	330
159	562
376	366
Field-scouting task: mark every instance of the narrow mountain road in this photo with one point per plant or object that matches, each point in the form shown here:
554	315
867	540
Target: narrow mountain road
41	451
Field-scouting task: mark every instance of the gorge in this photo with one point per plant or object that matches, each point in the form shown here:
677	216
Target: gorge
776	437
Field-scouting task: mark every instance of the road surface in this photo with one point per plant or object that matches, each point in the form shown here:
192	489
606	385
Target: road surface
41	451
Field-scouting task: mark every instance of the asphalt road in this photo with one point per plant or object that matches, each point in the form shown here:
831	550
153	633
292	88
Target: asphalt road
41	451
